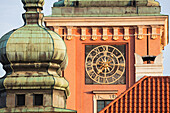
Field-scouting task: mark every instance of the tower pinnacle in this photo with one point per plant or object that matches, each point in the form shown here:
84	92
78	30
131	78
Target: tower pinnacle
33	13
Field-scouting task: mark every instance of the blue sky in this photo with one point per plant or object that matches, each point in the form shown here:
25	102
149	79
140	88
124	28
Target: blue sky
11	18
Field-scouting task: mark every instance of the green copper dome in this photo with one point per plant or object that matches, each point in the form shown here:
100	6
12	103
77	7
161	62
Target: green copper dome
33	56
32	43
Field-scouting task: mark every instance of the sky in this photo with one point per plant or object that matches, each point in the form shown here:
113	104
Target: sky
11	18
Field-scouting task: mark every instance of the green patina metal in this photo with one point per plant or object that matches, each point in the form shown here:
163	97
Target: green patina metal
109	3
35	48
33	57
105	8
37	110
33	3
59	4
104	11
31	42
105	3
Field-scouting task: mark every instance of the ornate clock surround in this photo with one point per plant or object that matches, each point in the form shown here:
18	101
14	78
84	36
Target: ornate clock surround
105	63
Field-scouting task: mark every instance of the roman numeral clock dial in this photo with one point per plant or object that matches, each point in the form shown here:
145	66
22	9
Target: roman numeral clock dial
105	64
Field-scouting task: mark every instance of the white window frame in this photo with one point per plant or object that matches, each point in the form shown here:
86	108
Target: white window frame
103	95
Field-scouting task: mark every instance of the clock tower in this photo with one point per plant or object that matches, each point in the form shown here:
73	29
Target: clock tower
111	44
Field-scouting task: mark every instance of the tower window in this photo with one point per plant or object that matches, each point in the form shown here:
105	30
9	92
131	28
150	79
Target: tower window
38	99
102	103
20	99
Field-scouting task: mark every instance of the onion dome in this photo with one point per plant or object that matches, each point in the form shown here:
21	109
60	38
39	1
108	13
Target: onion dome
33	56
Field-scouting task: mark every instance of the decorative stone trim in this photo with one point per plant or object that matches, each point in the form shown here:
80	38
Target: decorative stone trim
83	33
69	33
126	36
105	35
115	31
126	33
94	33
154	33
140	32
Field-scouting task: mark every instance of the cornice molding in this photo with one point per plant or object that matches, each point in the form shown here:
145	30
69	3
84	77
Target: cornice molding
110	22
105	21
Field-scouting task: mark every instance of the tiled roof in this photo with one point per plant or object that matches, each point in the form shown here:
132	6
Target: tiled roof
148	95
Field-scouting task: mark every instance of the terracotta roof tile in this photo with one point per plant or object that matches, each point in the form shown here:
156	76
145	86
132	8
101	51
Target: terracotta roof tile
148	95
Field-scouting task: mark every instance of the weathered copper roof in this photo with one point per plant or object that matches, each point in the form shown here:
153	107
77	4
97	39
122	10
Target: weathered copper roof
148	95
32	55
32	42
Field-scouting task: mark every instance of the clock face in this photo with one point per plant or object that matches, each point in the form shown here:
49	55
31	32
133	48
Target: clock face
105	64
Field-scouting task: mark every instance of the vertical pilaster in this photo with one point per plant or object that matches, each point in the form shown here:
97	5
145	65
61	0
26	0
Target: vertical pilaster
154	32
141	40
115	32
83	33
69	33
105	34
94	33
154	40
140	32
126	33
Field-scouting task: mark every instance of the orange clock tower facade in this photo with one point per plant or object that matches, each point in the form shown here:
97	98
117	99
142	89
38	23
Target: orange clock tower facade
110	46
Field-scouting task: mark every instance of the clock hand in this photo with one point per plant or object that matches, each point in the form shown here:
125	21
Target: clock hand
122	64
109	61
108	68
100	67
102	60
100	71
105	72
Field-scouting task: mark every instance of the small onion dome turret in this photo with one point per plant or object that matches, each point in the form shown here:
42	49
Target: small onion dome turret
33	44
33	53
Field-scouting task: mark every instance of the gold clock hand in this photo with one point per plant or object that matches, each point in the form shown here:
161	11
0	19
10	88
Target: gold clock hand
108	68
105	72
100	71
102	60
110	61
118	64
